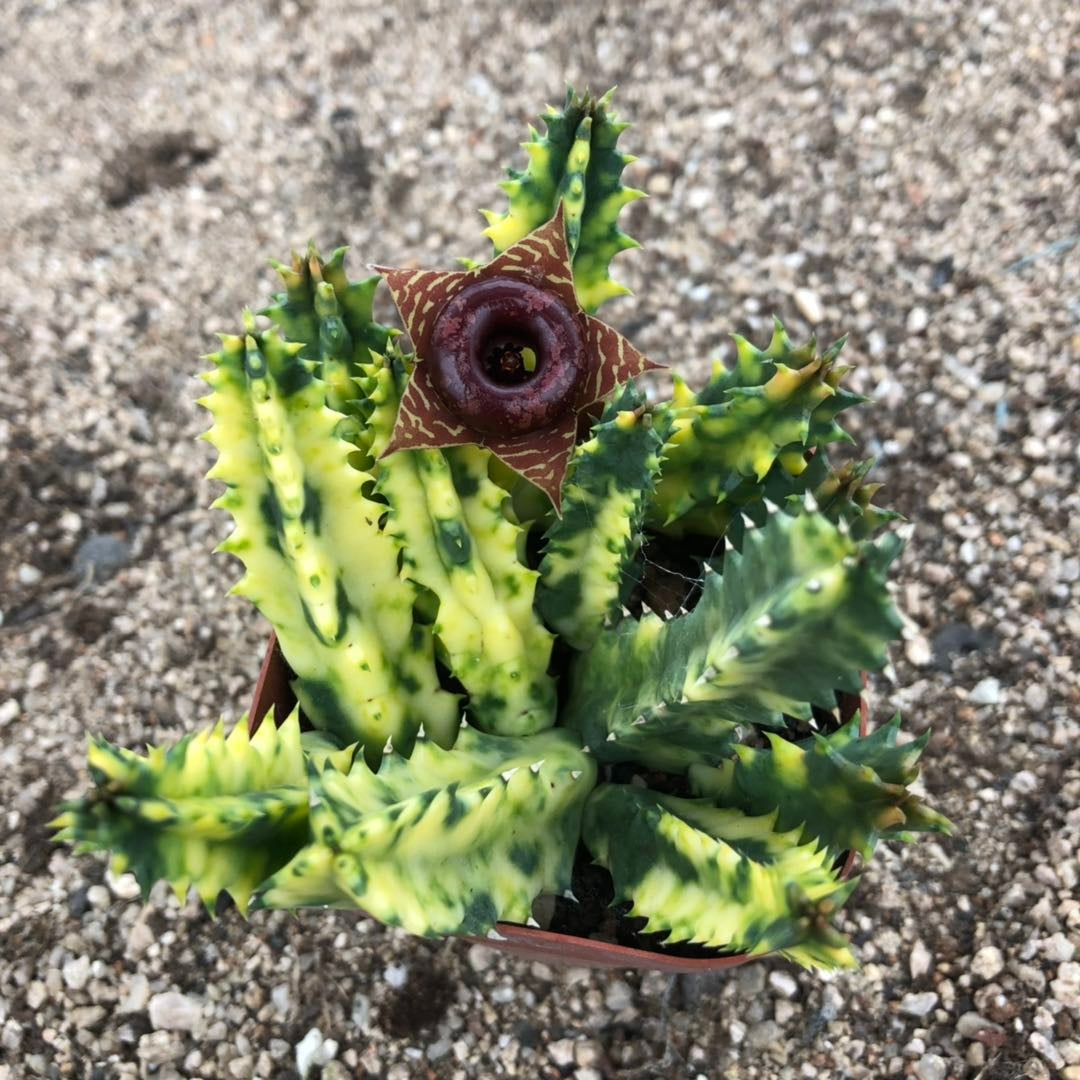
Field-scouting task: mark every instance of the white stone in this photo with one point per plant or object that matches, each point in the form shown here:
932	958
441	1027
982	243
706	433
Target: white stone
1025	781
36	993
931	1067
919	1005
917	650
139	940
1046	1049
280	998
619	996
917	320
124	886
561	1051
173	1011
810	307
38	675
313	1050
396	975
1036	697
9	711
736	1032
480	957
29	575
784	1011
783	983
1066	987
97	896
1058	948
136	995
985	692
11	1036
76	972
988	962
920	961
307	1052
587	1053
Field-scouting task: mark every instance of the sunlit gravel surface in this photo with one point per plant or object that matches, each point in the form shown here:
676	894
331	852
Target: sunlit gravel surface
906	173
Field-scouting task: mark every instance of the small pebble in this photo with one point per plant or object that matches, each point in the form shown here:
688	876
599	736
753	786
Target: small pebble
931	1067
783	983
172	1011
973	1026
920	960
987	963
918	1005
100	556
561	1051
985	692
917	320
619	996
810	307
1036	697
1046	1049
29	575
76	973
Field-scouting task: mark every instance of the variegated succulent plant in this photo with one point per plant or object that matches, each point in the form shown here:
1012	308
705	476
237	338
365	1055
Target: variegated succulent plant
535	618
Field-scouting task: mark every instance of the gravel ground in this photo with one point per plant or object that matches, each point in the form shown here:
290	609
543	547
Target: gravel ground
907	173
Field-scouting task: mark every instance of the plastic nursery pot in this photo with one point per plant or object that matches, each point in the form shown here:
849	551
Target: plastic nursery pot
273	693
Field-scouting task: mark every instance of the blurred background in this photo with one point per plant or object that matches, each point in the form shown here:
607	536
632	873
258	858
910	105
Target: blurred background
907	173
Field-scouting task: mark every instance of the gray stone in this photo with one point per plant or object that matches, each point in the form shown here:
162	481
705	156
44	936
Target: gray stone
100	556
973	1026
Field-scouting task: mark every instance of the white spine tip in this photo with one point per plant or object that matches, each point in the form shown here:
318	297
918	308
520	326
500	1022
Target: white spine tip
509	772
534	768
611	737
575	774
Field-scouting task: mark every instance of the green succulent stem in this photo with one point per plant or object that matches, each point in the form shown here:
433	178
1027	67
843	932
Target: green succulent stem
576	162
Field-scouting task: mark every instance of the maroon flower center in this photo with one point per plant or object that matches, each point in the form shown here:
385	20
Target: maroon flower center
506	357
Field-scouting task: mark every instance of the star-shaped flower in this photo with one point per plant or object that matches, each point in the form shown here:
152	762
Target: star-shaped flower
506	357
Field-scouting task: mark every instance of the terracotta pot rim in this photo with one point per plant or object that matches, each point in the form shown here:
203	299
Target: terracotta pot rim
273	693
